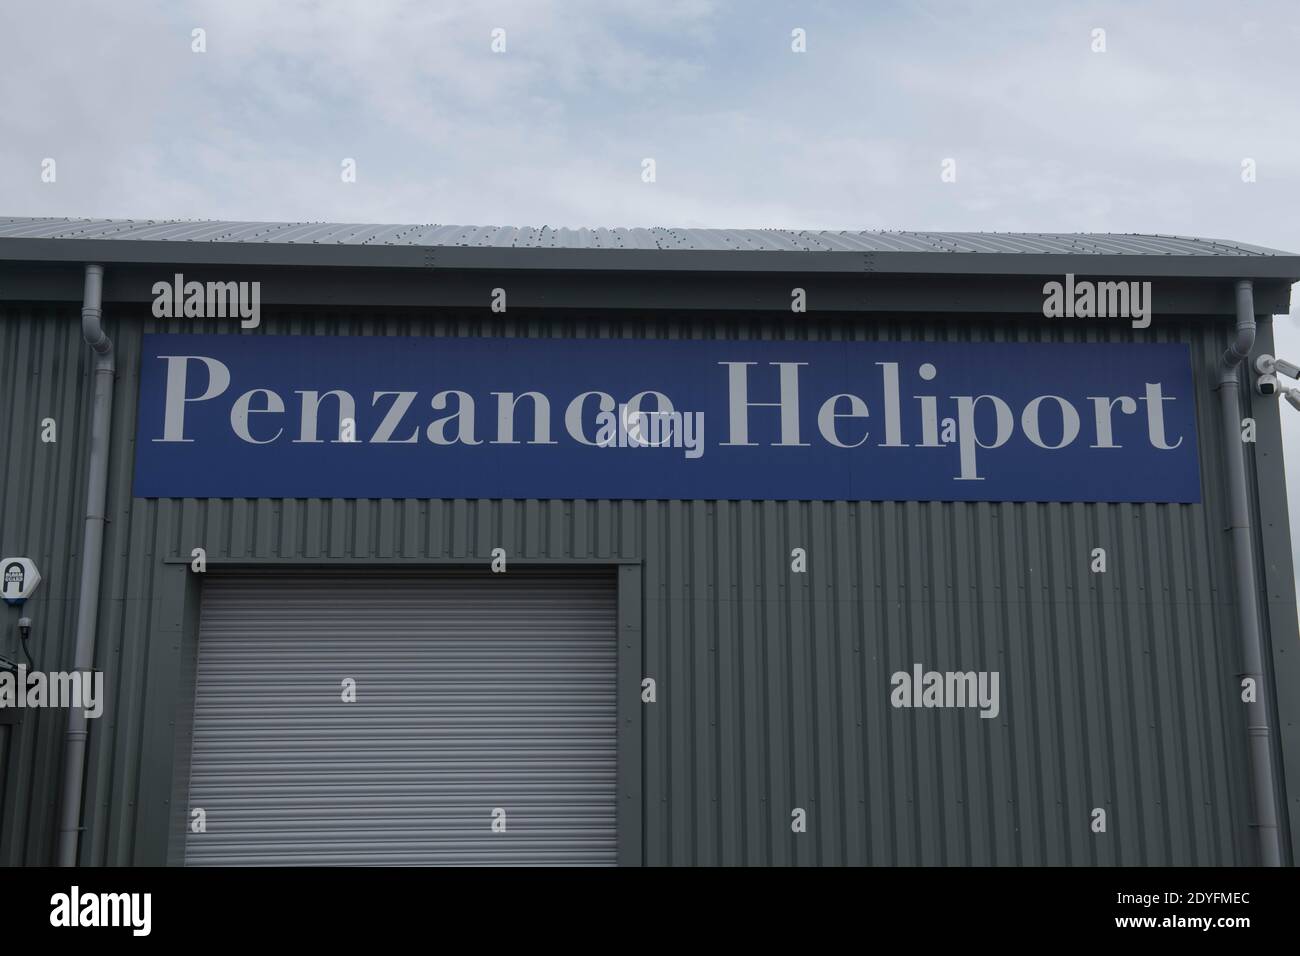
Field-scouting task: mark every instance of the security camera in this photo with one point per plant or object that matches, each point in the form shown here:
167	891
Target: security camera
1271	365
1266	385
24	627
1292	395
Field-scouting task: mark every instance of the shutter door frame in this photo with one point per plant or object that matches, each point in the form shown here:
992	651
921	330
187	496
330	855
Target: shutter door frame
566	826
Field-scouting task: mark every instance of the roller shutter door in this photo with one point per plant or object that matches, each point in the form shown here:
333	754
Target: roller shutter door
474	691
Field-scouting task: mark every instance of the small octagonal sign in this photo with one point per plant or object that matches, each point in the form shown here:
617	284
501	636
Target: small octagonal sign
18	579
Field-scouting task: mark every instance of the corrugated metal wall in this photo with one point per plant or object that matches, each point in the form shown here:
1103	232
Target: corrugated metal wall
1118	690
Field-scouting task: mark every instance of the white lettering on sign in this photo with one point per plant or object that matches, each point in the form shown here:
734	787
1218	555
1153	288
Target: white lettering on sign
986	422
709	419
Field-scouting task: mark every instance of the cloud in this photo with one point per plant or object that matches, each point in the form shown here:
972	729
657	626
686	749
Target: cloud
1047	135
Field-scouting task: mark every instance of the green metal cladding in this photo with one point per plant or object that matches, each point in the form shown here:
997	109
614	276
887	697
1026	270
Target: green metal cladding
1118	689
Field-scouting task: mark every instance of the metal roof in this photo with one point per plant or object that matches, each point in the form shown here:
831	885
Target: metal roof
299	243
657	237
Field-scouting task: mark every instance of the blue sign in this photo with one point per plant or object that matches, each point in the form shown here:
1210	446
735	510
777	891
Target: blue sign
261	416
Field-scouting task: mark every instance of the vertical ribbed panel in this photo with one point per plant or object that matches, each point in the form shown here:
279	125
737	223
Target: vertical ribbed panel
43	374
471	693
1118	690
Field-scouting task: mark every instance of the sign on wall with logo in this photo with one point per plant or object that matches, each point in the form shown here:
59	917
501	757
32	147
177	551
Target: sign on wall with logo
260	416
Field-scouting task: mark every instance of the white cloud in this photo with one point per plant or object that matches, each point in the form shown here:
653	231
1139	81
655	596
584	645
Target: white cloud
1047	135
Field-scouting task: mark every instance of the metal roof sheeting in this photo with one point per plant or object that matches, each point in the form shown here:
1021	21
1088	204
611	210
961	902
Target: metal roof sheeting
657	237
427	247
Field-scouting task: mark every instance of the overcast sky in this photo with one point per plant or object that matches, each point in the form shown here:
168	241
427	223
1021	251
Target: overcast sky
1048	135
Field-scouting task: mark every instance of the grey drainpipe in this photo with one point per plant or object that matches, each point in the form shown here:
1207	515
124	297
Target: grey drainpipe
92	550
1243	559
